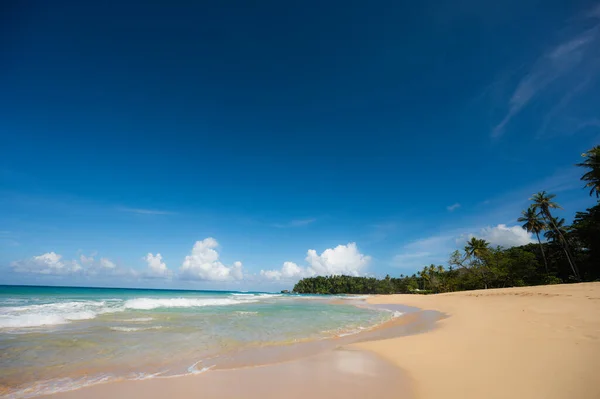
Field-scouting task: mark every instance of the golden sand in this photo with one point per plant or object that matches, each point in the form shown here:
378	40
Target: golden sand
533	342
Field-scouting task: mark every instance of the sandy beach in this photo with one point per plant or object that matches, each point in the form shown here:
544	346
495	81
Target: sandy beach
532	342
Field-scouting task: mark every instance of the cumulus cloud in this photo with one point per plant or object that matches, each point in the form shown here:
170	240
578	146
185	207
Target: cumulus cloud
343	259
203	264
48	263
107	263
86	260
156	266
52	263
505	236
288	271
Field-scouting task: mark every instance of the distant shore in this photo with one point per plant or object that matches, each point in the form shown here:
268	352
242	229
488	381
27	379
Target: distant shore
531	342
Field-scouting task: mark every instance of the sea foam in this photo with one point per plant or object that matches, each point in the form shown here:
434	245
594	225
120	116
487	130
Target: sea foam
53	313
134	329
155	303
65	312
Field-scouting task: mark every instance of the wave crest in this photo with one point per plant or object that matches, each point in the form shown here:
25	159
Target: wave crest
155	303
53	313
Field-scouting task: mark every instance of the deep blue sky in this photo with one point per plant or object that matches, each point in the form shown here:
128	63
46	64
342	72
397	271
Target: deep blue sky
279	127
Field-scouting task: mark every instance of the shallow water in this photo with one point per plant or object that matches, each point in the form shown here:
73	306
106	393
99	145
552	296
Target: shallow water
55	339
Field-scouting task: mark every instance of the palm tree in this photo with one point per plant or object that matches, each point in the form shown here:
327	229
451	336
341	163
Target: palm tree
560	232
534	224
560	235
476	248
425	277
543	202
592	177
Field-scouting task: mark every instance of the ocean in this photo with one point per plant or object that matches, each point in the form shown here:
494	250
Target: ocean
54	339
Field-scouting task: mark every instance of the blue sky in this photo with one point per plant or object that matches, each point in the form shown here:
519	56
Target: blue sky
296	139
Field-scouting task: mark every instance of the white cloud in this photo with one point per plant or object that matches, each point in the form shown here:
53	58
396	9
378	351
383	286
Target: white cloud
52	263
343	259
48	263
288	271
203	264
86	260
107	263
506	236
453	207
156	266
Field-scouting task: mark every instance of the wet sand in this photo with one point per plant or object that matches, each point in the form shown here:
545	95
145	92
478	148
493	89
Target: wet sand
532	342
341	373
323	368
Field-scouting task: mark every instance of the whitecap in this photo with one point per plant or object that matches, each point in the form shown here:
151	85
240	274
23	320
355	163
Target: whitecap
154	303
53	313
134	329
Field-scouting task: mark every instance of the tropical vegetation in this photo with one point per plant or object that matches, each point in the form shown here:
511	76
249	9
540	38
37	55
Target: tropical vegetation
569	253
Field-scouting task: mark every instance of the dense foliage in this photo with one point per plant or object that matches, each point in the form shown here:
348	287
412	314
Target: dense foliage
569	254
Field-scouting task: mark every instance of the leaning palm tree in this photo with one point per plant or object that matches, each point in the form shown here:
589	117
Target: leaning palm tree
543	202
592	177
560	235
560	232
534	224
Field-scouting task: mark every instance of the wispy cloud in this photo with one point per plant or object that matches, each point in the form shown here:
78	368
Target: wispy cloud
295	223
380	231
573	63
433	249
7	238
595	12
145	211
453	207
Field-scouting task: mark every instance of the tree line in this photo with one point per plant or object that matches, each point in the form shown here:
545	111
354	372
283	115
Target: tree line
568	253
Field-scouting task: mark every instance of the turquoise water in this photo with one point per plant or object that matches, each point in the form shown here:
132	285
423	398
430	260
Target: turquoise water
54	338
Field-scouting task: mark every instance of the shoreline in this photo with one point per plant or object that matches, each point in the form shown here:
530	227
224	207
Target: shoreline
410	321
332	365
342	372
